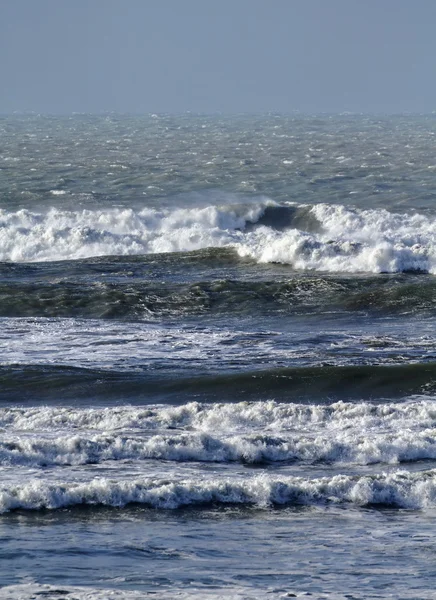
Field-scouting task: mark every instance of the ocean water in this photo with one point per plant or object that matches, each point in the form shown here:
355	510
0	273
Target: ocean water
218	357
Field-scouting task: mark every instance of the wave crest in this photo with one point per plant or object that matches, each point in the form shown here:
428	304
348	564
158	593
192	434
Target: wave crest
321	237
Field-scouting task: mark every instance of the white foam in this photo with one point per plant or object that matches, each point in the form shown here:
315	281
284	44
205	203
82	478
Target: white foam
106	344
361	433
333	446
59	234
349	240
250	432
242	417
399	488
26	591
40	340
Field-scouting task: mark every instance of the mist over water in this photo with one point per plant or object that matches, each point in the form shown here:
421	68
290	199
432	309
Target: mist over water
218	356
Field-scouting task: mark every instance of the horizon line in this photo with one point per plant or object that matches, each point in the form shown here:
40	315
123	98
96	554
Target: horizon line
187	113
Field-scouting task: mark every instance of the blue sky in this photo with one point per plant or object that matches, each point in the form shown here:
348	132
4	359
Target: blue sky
140	56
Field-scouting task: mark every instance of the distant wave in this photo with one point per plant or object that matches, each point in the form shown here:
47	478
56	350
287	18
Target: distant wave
322	237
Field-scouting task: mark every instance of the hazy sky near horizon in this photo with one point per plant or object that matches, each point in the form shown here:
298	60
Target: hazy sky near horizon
61	56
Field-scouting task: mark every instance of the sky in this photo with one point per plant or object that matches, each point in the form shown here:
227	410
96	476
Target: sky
231	56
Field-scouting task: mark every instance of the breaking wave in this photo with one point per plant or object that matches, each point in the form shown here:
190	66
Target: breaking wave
257	448
256	432
397	489
24	591
269	416
321	237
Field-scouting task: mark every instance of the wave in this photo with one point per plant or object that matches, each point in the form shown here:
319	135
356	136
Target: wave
26	591
269	416
229	591
323	383
147	300
399	489
351	240
257	432
48	382
349	446
322	237
27	236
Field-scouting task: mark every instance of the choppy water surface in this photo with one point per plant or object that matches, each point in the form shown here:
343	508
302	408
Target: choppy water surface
218	361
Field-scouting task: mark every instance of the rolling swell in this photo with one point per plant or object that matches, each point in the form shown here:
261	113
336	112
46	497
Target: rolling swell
320	383
133	299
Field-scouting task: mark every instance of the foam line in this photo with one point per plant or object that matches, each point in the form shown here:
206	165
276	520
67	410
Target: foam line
397	489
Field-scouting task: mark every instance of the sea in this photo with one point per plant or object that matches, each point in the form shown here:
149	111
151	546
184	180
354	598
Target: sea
217	357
